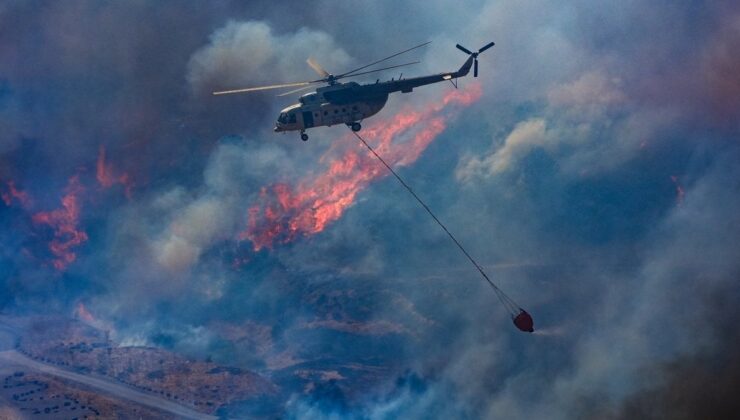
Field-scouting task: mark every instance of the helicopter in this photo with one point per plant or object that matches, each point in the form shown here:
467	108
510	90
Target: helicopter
350	102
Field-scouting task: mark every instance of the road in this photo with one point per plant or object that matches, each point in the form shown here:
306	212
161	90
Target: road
104	385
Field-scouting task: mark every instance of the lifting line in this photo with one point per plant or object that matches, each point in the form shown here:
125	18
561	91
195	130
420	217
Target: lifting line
508	303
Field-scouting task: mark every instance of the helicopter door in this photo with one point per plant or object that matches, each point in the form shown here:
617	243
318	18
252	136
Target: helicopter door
307	119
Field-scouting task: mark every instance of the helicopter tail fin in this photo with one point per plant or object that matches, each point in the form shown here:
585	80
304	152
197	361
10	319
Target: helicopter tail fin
465	69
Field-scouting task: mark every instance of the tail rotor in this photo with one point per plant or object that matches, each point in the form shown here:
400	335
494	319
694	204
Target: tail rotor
475	55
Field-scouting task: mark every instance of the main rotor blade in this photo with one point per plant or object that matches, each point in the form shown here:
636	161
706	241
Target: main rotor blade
487	46
317	67
463	49
384	68
295	90
387	58
254	89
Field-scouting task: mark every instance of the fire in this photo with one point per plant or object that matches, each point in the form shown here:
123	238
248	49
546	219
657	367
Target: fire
83	314
64	223
15	194
285	212
680	193
107	177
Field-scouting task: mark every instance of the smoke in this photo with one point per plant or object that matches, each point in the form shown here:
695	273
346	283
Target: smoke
589	125
244	53
696	386
525	137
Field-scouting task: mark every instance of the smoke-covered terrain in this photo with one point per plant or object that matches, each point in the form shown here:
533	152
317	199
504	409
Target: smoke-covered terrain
592	169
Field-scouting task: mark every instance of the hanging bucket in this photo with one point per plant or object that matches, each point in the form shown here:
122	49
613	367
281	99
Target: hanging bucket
524	321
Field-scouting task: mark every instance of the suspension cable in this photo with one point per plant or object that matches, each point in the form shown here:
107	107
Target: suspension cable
508	303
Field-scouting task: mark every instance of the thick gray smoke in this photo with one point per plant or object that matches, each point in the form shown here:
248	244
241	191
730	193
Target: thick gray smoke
241	53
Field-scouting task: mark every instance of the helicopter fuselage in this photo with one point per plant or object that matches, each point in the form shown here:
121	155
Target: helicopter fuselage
341	103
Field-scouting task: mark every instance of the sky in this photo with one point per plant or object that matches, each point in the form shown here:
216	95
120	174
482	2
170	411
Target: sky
591	169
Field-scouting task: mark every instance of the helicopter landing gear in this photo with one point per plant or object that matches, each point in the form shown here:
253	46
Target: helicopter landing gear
355	126
304	136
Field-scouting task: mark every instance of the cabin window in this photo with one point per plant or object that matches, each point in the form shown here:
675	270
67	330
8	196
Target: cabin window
336	111
354	107
344	109
291	118
326	112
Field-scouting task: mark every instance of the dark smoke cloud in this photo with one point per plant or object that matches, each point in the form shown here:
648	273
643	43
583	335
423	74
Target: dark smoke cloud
698	386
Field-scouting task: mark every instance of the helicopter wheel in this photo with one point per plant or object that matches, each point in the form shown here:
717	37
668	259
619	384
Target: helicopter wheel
356	126
304	136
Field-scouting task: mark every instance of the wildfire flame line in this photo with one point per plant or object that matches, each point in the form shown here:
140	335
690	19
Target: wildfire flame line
106	176
64	223
285	212
14	194
680	193
83	314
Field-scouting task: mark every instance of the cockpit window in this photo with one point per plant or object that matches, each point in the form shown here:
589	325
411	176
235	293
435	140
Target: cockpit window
287	118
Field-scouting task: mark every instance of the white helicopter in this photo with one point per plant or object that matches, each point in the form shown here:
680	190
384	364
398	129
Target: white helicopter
349	103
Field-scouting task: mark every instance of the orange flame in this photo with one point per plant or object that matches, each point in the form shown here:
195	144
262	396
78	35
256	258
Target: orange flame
286	212
106	176
64	222
680	193
13	193
83	314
